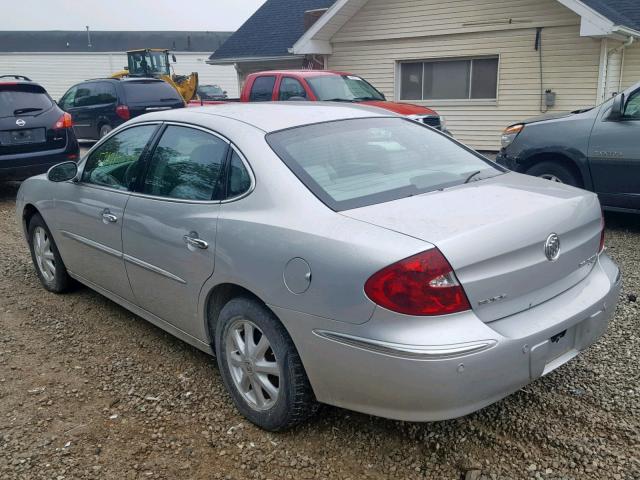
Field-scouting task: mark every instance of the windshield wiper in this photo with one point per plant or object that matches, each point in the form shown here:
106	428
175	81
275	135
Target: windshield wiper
472	175
18	111
365	99
339	100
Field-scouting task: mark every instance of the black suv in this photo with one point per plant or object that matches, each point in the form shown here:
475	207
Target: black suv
98	106
35	133
597	149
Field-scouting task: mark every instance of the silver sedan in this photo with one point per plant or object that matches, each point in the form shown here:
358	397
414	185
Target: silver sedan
329	253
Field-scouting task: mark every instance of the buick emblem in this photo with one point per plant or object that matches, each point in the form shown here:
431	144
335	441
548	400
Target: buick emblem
552	247
20	122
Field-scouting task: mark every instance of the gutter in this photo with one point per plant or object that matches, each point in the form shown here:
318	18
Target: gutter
234	60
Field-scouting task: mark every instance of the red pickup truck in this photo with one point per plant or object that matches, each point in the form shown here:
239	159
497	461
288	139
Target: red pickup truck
325	85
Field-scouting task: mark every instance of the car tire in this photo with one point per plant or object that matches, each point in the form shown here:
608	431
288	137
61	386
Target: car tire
273	401
104	130
553	171
46	258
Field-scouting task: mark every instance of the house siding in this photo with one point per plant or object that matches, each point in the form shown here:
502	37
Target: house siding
384	33
57	72
631	69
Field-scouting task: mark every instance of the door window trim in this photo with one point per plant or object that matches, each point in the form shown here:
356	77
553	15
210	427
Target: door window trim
83	162
149	154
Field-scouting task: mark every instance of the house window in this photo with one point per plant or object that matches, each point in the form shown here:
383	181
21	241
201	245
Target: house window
468	79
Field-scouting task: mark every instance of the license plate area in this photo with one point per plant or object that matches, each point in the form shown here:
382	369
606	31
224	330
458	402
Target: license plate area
23	137
553	352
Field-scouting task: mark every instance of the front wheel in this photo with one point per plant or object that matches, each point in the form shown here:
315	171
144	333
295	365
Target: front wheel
260	366
555	172
46	257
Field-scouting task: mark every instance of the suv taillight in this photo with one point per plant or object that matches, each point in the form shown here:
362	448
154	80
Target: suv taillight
423	284
123	112
65	121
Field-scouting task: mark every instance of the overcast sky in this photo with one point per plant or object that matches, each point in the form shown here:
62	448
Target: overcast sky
212	15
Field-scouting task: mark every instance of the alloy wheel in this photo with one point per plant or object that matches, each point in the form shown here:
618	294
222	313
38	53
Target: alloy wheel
252	363
44	255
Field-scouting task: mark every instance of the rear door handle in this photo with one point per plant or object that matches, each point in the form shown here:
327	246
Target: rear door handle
108	217
192	240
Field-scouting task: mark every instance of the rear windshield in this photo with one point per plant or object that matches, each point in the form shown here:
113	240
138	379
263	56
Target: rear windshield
354	163
150	92
18	100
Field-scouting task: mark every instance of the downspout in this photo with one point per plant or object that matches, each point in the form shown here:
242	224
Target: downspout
624	47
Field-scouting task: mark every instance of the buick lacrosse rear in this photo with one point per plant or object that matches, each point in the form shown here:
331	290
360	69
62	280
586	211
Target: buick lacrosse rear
330	253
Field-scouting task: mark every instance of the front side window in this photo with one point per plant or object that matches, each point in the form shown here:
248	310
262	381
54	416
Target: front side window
348	88
467	79
262	89
632	110
291	88
354	163
187	164
117	162
68	99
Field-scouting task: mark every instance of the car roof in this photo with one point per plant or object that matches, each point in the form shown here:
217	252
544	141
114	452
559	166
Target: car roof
124	79
271	116
303	73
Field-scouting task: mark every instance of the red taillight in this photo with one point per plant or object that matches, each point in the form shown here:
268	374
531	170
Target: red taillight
65	121
601	247
123	112
424	284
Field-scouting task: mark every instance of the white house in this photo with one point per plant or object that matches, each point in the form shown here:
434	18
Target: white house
484	64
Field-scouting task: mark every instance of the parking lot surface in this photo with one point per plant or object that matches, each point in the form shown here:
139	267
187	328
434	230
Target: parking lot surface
89	390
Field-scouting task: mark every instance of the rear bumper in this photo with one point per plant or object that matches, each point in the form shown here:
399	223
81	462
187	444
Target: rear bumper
25	165
421	369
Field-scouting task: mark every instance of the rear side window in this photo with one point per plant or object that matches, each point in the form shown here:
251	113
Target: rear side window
150	92
239	179
22	100
187	164
117	163
262	89
290	87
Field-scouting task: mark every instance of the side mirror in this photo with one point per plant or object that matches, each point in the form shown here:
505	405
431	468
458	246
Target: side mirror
617	108
173	57
224	92
63	172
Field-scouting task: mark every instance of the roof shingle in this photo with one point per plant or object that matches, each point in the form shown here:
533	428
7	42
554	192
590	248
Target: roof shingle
109	41
270	31
620	12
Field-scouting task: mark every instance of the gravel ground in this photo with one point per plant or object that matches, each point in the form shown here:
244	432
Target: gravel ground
88	390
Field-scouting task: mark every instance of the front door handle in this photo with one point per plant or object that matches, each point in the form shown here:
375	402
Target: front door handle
108	217
193	241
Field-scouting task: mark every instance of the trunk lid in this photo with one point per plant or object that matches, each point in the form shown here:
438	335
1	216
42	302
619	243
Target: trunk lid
493	234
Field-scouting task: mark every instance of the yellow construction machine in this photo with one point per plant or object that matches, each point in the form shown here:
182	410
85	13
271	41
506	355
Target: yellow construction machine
154	63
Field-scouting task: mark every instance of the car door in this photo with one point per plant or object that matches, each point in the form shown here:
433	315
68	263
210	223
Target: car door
88	213
103	105
81	112
169	229
614	156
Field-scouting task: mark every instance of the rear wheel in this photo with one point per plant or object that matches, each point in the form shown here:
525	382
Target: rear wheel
46	258
104	130
261	367
553	171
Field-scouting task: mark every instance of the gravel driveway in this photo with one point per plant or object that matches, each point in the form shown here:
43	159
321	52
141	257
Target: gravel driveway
89	390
